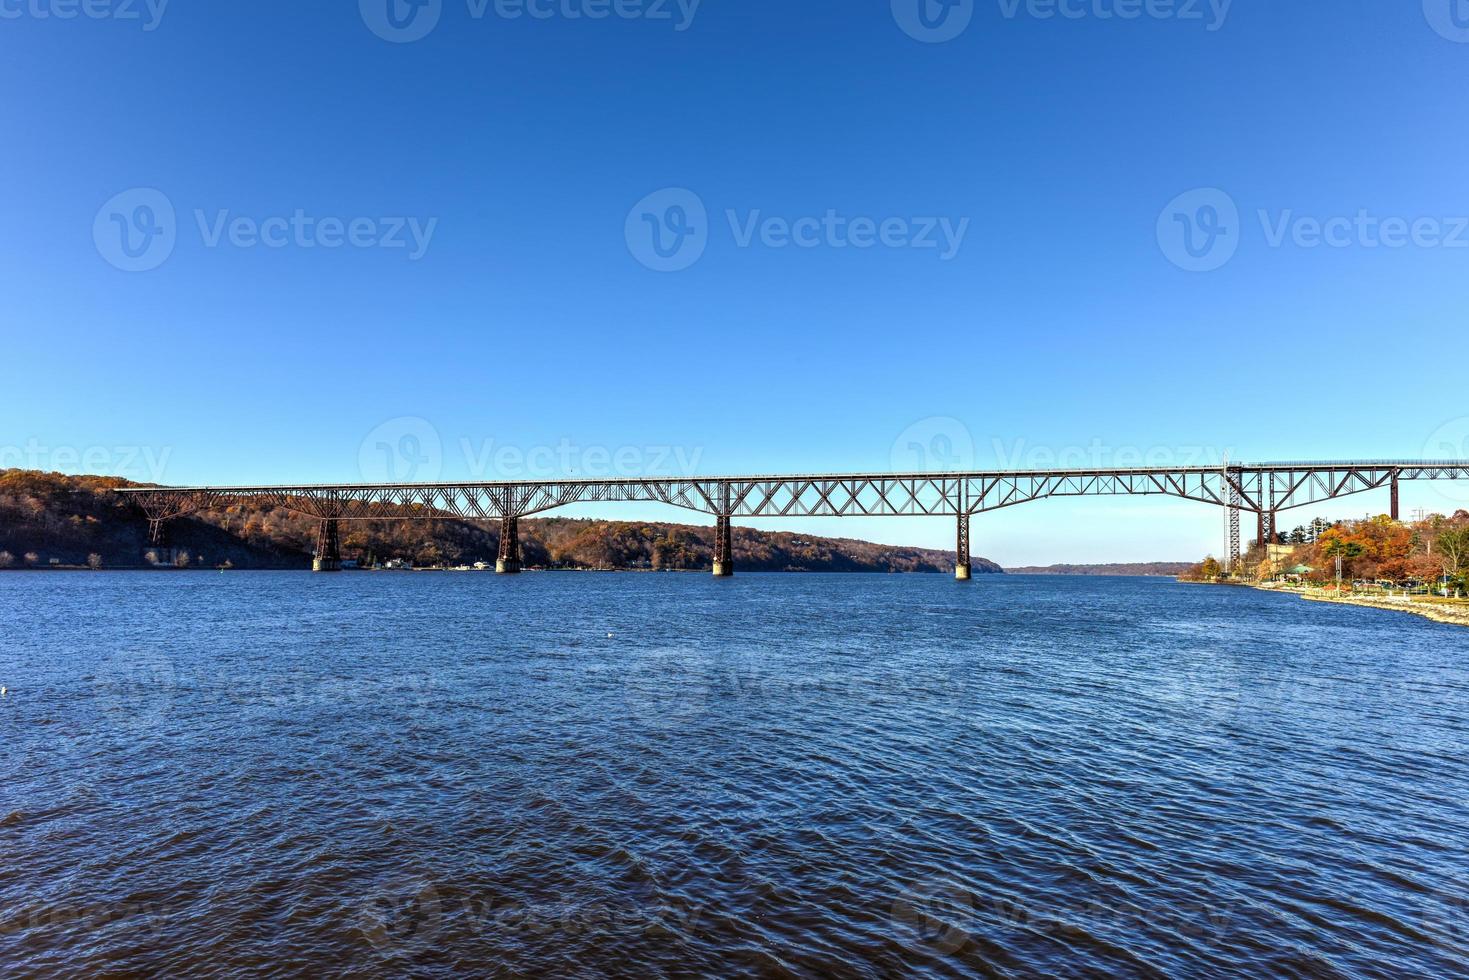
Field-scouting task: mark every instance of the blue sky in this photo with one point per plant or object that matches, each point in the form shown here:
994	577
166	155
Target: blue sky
340	239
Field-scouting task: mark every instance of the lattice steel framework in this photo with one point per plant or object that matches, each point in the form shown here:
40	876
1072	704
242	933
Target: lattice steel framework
1232	480
510	557
723	545
871	495
1261	488
328	546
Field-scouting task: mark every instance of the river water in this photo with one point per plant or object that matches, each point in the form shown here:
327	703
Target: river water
648	775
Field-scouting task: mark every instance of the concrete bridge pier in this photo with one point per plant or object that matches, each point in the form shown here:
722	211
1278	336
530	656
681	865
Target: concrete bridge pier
509	562
723	547
328	556
963	566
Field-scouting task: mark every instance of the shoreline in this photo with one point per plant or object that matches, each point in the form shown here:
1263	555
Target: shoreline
1438	611
168	570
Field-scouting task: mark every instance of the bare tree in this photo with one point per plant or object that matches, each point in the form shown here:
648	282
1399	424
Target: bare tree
32	557
94	561
182	560
6	559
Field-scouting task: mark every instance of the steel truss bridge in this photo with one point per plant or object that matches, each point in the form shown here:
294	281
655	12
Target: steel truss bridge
1264	489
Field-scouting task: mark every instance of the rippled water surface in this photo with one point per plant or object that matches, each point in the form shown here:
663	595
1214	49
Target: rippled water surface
645	775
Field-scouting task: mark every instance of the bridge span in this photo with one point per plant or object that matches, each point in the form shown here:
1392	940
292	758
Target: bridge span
1264	489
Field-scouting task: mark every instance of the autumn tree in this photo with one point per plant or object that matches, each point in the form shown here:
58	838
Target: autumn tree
1453	550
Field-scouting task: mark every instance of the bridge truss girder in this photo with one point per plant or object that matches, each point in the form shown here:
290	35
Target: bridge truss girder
1265	489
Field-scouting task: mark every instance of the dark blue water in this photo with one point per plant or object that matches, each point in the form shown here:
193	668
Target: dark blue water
647	775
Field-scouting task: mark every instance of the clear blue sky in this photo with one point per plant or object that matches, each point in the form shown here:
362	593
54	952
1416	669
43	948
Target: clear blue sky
1065	320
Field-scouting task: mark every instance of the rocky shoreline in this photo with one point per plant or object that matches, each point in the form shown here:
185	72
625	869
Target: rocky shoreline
1455	614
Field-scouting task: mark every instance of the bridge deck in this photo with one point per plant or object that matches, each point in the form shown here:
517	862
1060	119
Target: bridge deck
1265	489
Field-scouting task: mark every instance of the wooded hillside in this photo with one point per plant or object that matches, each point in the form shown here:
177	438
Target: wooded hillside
71	519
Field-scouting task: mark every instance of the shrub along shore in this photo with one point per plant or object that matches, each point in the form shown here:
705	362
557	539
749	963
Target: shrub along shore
1419	567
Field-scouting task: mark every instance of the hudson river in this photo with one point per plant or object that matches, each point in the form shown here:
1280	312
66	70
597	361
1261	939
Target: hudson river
658	775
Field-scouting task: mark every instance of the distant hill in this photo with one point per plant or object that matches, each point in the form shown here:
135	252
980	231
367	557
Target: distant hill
48	516
1171	569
